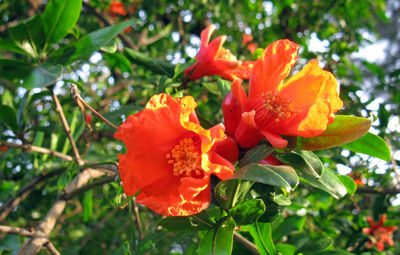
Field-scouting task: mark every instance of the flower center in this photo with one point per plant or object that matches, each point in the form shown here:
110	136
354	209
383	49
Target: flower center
225	54
276	106
185	159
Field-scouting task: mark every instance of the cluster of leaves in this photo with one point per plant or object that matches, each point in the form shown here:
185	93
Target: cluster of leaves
48	51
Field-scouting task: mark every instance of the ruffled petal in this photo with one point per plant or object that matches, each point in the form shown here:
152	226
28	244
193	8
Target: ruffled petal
273	67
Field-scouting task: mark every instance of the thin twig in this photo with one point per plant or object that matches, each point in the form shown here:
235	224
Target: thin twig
79	100
16	230
43	230
137	216
50	247
67	130
85	188
246	243
12	202
32	148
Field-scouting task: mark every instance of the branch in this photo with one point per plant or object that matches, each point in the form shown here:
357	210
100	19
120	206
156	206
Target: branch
12	202
392	191
67	130
137	216
79	100
32	148
16	230
246	243
50	247
83	189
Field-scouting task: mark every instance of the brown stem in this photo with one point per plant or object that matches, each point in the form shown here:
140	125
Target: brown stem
32	148
50	247
80	100
67	130
246	243
16	230
85	188
137	216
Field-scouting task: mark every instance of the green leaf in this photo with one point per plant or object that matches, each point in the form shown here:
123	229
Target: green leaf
11	46
344	129
224	87
336	252
304	161
228	193
117	60
29	35
371	145
278	176
154	65
88	44
43	76
87	205
349	183
247	212
262	235
212	87
14	69
291	224
281	200
8	117
59	17
181	223
256	154
218	240
316	245
286	249
328	182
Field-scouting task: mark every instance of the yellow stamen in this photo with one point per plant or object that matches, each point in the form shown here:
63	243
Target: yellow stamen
277	106
185	159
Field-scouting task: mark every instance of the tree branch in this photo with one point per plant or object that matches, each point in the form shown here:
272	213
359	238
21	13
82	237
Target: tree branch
16	230
32	148
85	188
50	247
246	243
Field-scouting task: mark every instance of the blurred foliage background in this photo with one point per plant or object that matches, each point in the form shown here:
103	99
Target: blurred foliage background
358	41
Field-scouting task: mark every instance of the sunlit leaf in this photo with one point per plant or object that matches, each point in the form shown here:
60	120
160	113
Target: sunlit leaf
218	240
344	129
305	161
371	145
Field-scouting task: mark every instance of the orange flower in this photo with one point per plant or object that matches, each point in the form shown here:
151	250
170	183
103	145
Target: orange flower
357	178
247	39
170	157
302	105
3	148
117	8
213	59
378	234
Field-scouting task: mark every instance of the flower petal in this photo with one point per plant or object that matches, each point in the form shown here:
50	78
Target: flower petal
274	66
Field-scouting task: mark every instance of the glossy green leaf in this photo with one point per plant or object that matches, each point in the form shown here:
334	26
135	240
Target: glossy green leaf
59	17
304	161
371	145
29	35
118	61
316	245
336	252
88	44
328	182
8	117
349	183
262	235
256	154
218	240
344	129
247	212
14	69
230	192
286	249
154	65
289	225
11	46
43	76
278	176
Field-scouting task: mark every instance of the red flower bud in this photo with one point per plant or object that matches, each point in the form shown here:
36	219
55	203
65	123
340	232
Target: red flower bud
231	112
